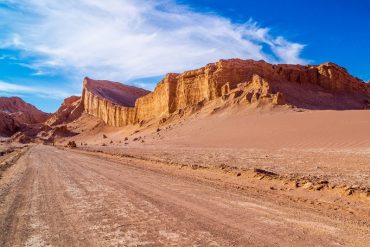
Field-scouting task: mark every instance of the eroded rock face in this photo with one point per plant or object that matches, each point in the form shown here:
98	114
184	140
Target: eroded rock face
70	110
326	86
111	101
8	125
16	115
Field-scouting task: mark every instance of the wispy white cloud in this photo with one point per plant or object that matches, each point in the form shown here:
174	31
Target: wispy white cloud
129	39
42	92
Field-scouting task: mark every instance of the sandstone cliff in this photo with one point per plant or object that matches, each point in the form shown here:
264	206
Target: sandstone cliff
326	86
112	102
234	81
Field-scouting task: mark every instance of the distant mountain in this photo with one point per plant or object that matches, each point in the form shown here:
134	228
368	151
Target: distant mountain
16	115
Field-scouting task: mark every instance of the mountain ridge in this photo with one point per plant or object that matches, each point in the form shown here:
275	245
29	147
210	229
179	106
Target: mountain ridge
216	86
324	86
17	115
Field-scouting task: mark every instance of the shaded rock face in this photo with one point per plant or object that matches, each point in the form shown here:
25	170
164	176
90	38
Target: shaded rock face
325	86
8	125
17	115
70	110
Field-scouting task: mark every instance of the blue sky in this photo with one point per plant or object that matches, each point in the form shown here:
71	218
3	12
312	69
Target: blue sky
47	47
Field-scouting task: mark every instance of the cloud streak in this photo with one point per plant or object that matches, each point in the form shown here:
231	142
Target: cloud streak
131	39
42	92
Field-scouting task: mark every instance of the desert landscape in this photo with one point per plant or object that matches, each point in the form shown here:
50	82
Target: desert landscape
195	123
235	153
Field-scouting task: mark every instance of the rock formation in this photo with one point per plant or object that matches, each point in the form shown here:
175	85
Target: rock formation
112	102
325	86
216	86
49	135
17	115
70	110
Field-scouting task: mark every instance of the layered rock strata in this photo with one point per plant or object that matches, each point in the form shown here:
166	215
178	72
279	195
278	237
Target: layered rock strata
325	86
112	102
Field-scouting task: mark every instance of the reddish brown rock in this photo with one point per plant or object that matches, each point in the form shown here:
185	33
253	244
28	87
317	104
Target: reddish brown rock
8	125
70	110
22	111
17	115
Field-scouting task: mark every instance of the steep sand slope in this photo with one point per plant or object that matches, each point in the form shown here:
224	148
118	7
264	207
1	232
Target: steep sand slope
254	128
275	129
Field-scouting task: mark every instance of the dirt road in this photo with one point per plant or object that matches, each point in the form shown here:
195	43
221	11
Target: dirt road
53	197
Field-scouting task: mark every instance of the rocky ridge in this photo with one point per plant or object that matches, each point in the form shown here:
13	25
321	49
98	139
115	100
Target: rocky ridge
70	110
17	115
112	102
219	85
233	81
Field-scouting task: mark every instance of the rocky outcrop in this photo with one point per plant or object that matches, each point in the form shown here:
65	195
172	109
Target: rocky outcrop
112	102
70	110
159	103
325	86
49	135
8	125
17	115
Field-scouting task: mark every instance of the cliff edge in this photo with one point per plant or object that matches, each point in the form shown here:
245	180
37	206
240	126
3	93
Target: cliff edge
233	81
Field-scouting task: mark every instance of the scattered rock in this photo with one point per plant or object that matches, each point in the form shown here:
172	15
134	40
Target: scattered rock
222	166
71	144
264	172
319	186
349	192
307	186
195	167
